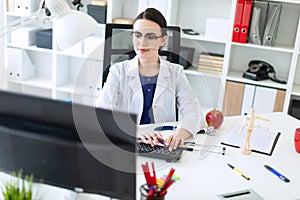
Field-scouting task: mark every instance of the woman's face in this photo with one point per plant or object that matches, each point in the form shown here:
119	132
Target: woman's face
147	38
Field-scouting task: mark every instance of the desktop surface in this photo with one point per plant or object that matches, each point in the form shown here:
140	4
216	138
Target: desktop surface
206	175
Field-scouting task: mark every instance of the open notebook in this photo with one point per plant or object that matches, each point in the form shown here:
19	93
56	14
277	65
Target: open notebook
262	140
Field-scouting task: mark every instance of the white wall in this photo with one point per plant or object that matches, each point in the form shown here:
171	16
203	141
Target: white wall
2	61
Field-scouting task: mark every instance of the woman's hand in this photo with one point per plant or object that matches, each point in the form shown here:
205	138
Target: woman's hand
177	139
150	137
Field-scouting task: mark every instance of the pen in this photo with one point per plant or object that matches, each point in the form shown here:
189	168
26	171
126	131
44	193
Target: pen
165	128
239	172
285	179
172	128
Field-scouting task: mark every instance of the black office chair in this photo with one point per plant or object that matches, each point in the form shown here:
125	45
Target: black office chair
119	47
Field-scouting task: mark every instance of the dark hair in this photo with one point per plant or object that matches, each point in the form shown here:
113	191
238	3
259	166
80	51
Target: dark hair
155	16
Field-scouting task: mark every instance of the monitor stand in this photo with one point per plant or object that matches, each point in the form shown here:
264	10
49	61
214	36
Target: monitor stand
75	195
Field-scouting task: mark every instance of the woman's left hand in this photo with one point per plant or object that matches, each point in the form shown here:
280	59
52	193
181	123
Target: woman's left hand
177	139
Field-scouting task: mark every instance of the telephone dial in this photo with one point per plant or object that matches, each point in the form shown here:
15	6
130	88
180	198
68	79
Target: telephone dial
260	70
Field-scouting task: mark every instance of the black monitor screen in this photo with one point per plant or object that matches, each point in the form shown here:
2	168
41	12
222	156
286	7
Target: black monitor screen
68	145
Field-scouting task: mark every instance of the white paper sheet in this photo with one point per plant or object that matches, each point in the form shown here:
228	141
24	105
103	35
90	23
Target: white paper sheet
261	139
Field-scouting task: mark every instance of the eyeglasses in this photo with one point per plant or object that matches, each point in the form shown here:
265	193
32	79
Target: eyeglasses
148	36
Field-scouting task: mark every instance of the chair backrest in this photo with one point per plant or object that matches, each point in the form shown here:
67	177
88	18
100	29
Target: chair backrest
119	47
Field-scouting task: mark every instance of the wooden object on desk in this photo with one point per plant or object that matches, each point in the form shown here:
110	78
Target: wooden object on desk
249	121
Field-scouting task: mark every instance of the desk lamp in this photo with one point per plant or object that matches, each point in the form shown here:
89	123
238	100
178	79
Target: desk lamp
70	26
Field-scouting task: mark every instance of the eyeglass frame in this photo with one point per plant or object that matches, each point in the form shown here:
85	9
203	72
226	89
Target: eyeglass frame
133	33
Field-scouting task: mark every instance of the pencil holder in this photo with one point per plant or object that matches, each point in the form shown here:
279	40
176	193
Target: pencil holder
146	195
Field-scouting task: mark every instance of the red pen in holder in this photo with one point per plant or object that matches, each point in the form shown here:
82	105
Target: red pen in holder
297	140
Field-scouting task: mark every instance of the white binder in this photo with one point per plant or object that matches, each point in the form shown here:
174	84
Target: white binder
26	7
259	14
272	21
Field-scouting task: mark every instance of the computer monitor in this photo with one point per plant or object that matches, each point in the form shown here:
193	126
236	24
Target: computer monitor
68	145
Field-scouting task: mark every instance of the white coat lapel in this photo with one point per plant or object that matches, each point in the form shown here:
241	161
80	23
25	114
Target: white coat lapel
162	82
133	75
135	86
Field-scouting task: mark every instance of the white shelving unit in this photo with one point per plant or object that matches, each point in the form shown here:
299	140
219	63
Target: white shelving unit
283	56
57	71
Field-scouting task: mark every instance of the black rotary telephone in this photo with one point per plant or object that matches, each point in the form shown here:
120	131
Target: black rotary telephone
260	70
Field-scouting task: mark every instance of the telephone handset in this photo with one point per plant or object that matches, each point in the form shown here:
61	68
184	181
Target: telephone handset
260	70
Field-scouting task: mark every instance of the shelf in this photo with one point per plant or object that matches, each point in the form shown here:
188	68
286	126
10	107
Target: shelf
85	49
200	37
67	87
296	90
35	82
31	48
193	71
237	77
39	82
13	14
286	49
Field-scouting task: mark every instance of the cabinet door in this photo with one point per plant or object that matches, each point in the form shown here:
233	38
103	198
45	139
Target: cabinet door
268	100
279	101
233	98
239	98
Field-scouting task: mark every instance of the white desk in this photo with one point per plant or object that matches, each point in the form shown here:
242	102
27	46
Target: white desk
206	177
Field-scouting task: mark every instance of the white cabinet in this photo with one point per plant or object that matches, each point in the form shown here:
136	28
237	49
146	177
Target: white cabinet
74	73
51	73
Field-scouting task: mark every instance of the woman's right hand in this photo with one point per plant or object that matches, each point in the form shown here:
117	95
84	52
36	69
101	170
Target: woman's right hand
150	137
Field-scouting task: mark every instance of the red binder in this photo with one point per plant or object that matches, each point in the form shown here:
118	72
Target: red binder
245	21
238	20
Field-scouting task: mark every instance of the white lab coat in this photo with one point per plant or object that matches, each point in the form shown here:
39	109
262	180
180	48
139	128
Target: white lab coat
123	91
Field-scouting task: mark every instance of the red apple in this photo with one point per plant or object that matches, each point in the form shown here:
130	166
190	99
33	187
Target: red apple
214	118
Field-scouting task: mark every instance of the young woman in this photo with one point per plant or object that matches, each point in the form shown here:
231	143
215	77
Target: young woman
152	87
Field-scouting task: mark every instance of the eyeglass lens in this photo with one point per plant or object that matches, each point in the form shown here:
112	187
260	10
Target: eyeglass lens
148	36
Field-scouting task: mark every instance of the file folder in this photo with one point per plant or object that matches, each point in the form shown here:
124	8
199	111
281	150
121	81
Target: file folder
259	14
238	20
272	21
245	21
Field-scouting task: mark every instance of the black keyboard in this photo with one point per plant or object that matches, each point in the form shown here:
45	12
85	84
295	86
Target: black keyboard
160	152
